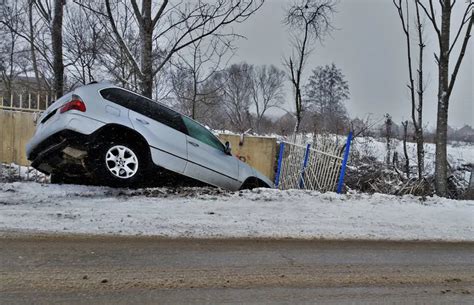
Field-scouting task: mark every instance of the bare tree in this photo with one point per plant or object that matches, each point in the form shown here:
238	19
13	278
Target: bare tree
416	105
267	90
39	39
31	40
115	59
192	75
236	85
171	28
10	14
53	17
445	82
47	40
309	21
83	41
325	93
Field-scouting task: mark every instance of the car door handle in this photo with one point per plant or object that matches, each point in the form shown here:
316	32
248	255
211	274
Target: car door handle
142	121
193	144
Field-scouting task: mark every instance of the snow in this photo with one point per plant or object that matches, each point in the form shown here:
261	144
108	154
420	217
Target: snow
458	152
213	213
14	172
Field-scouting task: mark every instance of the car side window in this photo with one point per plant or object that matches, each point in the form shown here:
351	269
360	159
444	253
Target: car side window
200	133
145	107
120	97
161	114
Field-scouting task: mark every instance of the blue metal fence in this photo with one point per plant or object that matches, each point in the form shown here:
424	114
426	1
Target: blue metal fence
319	167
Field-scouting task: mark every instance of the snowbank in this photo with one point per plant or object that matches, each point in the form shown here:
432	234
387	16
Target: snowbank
210	213
458	153
14	172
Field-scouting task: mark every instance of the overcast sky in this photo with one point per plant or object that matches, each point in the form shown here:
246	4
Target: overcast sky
369	47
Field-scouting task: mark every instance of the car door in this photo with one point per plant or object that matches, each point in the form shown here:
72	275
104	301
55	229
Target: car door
207	160
164	130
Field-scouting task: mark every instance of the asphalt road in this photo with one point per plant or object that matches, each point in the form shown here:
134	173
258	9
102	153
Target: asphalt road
100	270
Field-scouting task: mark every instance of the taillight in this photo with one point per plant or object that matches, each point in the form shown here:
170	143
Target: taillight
76	103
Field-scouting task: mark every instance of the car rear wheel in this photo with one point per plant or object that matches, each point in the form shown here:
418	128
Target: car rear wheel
118	163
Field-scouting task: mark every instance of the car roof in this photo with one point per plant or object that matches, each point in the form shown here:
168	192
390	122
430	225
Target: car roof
105	85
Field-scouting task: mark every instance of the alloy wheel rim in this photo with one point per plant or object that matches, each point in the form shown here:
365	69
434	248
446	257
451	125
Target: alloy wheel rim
121	161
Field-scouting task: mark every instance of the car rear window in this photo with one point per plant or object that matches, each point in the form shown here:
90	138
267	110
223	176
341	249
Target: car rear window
145	107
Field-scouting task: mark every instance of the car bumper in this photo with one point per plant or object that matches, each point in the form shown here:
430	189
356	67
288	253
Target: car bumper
78	124
49	155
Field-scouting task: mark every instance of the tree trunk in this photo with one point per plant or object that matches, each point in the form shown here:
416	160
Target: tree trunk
441	168
195	90
57	46
388	137
405	151
298	113
470	189
146	34
420	150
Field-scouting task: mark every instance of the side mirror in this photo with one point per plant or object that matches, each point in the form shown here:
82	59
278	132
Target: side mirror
228	148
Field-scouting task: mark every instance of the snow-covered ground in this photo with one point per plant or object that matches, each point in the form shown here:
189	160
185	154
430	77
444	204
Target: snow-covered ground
459	153
212	213
14	172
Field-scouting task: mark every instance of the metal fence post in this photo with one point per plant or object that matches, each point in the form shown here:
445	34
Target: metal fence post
280	159
305	163
344	163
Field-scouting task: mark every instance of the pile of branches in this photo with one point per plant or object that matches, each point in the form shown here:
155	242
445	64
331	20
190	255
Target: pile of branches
376	177
369	175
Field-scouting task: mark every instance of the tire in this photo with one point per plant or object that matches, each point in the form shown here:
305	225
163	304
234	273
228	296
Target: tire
119	164
58	179
250	184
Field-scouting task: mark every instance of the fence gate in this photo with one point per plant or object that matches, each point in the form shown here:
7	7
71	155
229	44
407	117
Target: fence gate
320	168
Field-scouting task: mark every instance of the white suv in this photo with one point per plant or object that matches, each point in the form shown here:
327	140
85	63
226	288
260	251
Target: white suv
103	134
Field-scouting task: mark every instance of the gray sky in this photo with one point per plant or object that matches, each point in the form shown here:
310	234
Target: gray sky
370	48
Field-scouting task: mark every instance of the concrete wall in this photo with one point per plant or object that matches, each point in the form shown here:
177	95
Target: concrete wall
259	152
16	128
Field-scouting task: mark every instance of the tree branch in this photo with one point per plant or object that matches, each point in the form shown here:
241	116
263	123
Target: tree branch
464	21
119	38
159	13
461	55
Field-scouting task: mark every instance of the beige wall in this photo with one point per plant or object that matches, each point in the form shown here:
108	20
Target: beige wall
259	152
16	129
